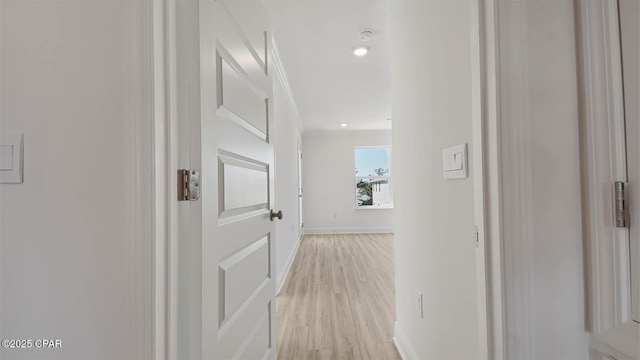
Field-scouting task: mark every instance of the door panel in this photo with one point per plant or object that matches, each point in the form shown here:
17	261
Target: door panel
243	274
630	34
254	326
243	185
253	23
239	100
237	191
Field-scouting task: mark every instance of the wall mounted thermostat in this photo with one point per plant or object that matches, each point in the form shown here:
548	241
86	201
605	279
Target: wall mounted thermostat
454	162
11	150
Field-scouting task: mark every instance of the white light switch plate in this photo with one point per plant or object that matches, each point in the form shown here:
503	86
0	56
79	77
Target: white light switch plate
11	163
454	162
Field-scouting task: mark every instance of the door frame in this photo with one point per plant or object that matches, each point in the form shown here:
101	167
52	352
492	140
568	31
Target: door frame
600	90
167	148
607	266
162	32
145	212
506	211
160	24
147	179
299	176
486	130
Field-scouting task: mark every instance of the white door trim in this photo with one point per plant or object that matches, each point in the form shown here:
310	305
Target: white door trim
166	135
508	156
491	149
486	179
613	331
514	166
156	191
167	146
143	208
477	123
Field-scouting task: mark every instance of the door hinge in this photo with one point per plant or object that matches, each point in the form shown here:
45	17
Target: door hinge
188	185
621	204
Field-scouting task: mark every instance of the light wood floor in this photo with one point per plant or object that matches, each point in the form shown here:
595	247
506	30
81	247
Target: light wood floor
338	300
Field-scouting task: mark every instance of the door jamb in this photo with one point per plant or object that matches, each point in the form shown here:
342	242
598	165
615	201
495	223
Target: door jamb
477	77
144	209
603	161
486	179
165	230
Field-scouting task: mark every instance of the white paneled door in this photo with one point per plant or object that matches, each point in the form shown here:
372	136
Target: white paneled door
237	169
226	296
630	45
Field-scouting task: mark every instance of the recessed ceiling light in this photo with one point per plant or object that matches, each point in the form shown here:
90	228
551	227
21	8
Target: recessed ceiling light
361	51
344	124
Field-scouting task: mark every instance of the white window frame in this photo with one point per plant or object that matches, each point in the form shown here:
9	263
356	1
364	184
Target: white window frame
389	178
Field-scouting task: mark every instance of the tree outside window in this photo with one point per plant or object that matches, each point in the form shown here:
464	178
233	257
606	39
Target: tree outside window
373	177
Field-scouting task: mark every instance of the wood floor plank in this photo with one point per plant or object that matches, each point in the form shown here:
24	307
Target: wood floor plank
339	300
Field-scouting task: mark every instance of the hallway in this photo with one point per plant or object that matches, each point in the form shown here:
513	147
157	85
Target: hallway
338	301
167	168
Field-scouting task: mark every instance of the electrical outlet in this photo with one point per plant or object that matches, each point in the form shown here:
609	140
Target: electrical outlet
419	303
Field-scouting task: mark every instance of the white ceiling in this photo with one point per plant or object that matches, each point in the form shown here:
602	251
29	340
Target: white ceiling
315	39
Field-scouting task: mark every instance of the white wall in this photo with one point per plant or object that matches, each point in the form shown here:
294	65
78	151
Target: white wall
434	218
63	241
541	162
329	183
287	137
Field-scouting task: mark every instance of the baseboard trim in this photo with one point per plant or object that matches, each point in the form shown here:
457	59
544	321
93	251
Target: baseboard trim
348	230
283	277
403	346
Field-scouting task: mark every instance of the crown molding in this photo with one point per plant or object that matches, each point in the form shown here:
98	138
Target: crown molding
379	132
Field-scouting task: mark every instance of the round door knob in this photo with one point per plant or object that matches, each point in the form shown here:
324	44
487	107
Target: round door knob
276	215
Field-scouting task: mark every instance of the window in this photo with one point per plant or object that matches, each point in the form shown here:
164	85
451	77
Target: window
373	177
